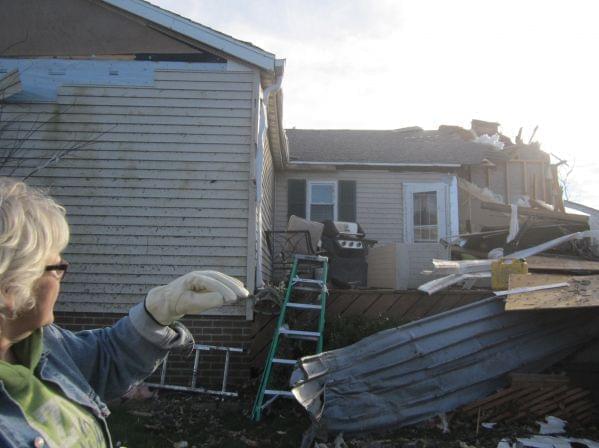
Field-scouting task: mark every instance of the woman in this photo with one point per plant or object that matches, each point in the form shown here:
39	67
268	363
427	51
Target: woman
53	383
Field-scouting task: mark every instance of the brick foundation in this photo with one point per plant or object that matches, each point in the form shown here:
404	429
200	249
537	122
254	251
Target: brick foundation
229	331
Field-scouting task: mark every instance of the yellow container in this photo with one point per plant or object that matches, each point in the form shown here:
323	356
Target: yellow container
501	270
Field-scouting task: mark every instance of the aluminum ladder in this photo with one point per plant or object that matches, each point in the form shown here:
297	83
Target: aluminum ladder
296	284
196	370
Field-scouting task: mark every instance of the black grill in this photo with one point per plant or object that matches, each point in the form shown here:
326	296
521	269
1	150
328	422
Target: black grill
346	246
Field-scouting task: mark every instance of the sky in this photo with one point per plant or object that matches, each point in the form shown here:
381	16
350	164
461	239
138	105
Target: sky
388	64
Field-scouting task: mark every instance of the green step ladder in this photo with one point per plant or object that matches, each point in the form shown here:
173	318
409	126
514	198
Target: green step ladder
303	285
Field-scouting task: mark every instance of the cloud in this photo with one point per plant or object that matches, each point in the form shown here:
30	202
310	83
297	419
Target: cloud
387	64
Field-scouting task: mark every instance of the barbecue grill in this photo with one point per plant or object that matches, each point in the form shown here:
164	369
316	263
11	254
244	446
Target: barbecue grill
346	246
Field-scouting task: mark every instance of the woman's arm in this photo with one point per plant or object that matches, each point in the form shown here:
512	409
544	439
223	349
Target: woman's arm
115	358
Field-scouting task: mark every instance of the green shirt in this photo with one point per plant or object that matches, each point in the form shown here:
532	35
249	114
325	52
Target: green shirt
60	421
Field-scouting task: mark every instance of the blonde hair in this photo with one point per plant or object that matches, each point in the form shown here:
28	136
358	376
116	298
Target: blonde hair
32	228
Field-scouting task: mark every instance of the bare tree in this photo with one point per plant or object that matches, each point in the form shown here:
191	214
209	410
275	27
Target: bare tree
17	129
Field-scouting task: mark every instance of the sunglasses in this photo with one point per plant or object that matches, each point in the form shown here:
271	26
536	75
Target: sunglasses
60	269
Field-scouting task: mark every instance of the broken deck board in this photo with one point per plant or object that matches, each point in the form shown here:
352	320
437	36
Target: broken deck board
535	395
562	264
582	292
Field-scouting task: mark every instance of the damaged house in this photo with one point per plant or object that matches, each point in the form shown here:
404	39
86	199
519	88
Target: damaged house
156	133
413	189
493	209
163	138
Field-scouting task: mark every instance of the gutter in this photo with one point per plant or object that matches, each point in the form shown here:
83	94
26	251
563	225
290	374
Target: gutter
263	127
383	164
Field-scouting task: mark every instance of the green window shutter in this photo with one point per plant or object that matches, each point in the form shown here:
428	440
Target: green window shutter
296	197
346	210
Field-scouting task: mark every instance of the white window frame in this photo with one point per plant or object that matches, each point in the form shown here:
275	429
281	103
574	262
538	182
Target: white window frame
309	196
442	206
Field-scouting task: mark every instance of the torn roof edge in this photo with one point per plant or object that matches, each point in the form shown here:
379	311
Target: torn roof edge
243	50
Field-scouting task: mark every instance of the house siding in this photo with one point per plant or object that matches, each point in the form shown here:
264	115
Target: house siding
380	212
158	185
379	199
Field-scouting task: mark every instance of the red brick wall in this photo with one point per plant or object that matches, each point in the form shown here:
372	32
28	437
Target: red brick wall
229	331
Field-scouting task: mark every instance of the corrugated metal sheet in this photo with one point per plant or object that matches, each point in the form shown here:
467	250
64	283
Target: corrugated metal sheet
410	373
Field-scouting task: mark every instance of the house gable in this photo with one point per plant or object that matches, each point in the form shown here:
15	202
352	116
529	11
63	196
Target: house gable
110	28
81	28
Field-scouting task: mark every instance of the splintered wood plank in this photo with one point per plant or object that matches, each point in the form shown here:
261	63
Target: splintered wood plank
582	292
562	265
537	379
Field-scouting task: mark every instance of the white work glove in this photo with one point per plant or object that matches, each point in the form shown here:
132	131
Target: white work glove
192	293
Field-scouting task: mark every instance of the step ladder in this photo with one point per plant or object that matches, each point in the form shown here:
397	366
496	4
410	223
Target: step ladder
200	348
296	285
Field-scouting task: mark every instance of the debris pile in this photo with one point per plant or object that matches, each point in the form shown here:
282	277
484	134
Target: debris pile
458	271
408	374
535	396
463	358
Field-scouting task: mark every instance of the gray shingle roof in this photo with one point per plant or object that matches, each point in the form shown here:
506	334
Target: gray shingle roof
410	145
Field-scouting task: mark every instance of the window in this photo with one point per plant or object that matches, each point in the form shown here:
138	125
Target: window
425	212
322	201
425	217
334	200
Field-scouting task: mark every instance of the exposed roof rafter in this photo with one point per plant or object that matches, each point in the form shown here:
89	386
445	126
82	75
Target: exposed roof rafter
215	39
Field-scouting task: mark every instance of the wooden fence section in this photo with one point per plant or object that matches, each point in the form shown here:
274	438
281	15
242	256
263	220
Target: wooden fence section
398	306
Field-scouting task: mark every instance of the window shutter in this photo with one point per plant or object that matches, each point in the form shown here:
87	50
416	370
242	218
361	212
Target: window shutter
346	201
296	197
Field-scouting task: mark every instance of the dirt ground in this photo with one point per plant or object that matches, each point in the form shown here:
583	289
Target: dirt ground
181	420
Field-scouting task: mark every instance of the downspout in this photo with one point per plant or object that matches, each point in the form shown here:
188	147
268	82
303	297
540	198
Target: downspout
263	127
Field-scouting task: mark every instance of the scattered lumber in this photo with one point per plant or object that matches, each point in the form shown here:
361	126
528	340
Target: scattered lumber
535	396
562	264
581	292
525	211
462	270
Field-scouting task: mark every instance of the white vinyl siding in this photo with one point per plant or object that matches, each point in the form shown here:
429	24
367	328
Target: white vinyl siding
158	185
381	211
379	198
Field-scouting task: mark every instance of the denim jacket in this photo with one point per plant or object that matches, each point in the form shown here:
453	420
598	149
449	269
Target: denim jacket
91	367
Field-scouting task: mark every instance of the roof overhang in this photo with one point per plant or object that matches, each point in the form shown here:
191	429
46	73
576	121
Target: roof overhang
203	34
300	163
